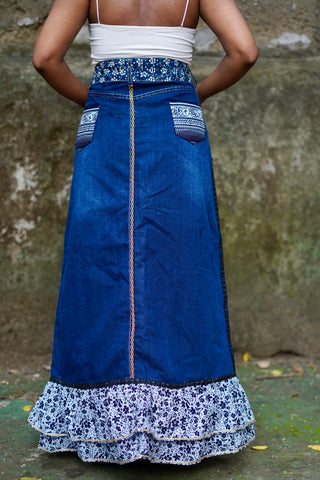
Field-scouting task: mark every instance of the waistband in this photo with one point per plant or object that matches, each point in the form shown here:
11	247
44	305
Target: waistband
142	70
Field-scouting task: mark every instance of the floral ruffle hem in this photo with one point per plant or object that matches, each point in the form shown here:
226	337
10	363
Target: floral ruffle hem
130	421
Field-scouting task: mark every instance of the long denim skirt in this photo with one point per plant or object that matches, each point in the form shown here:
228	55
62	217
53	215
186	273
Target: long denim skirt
142	363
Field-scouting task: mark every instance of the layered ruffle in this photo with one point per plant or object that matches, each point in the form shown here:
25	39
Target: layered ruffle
125	422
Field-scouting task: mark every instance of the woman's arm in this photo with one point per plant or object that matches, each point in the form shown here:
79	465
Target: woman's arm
62	25
225	20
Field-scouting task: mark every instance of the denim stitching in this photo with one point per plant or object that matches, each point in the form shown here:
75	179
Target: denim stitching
158	383
97	93
131	232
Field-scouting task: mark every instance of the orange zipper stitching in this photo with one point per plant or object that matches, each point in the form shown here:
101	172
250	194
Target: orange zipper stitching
131	239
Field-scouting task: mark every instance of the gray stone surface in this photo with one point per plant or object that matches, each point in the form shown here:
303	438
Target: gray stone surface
265	138
266	145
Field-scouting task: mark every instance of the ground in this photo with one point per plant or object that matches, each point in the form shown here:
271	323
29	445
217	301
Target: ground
287	412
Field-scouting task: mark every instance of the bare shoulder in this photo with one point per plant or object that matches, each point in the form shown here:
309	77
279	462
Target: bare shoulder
60	28
68	15
219	11
227	22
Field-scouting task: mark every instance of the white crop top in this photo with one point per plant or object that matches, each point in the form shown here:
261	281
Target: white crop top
121	41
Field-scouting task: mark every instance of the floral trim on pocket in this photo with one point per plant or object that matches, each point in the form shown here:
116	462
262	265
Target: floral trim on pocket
188	121
86	127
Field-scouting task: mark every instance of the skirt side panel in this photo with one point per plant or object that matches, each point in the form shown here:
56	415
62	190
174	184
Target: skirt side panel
181	307
92	320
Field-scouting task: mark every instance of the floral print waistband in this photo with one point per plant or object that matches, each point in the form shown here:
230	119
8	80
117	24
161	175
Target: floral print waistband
146	69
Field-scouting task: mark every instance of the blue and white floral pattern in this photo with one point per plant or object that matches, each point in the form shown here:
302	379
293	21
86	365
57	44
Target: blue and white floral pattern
188	121
86	127
124	422
146	69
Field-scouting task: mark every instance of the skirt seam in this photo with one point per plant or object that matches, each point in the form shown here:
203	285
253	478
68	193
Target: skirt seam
97	93
141	380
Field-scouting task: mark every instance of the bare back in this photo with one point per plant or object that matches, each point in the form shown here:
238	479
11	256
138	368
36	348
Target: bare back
145	12
67	17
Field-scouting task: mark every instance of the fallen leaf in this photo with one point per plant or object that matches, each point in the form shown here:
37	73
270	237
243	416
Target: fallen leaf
246	357
263	363
12	371
315	447
299	371
276	372
46	367
259	447
27	408
30	478
295	395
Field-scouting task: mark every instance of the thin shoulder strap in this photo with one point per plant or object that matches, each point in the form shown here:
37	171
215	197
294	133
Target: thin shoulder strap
97	8
185	13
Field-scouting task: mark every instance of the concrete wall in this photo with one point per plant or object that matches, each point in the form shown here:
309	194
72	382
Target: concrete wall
265	135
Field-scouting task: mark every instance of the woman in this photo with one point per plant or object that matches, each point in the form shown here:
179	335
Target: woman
142	363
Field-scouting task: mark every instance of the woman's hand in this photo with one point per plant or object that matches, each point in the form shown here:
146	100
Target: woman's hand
226	21
62	25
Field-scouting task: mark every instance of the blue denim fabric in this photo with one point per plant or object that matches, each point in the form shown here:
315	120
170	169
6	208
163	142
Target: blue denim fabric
181	317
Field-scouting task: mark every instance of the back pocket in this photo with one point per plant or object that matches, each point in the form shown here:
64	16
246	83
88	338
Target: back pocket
86	127
188	121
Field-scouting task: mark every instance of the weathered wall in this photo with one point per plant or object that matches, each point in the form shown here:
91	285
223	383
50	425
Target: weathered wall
265	134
